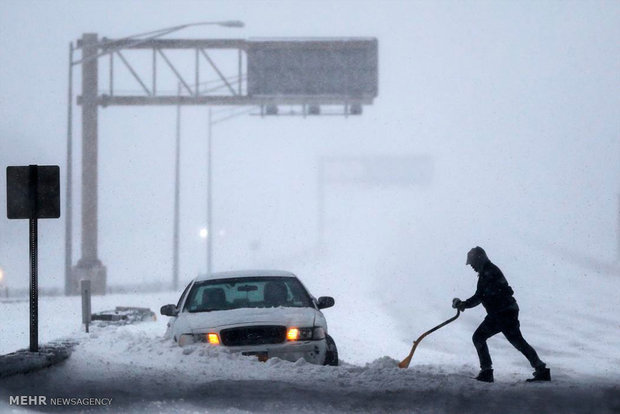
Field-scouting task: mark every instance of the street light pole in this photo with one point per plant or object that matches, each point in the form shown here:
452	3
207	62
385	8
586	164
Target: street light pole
210	225
210	229
177	202
69	172
321	203
618	230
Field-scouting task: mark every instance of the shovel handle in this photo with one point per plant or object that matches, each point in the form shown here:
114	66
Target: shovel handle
405	362
441	325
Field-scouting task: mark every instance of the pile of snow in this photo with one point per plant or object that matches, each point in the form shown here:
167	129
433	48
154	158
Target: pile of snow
142	372
24	361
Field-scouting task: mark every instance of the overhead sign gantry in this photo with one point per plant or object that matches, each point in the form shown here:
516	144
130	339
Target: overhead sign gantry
310	73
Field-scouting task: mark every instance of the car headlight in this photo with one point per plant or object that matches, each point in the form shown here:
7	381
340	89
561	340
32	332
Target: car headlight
305	334
211	338
186	339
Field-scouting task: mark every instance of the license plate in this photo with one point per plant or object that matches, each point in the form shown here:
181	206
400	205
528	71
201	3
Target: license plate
261	356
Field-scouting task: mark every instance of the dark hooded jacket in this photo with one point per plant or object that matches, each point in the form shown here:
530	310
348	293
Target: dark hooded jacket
492	291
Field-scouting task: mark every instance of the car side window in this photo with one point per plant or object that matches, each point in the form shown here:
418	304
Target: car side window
183	295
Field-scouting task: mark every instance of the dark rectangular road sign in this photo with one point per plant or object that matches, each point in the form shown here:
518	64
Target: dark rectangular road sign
347	68
33	192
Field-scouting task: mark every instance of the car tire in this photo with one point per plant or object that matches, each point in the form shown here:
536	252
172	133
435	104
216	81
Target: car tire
331	355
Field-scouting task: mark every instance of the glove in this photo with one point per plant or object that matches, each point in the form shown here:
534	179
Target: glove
458	304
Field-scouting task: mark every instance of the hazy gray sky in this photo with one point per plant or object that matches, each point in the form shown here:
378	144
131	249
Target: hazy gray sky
517	104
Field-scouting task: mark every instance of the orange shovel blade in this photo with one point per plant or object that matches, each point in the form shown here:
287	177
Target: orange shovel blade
405	362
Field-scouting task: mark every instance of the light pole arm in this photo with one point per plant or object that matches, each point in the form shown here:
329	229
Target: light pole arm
154	34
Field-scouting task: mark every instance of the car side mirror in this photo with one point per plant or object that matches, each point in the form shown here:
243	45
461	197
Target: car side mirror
326	302
169	310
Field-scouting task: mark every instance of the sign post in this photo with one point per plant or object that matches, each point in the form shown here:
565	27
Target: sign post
34	259
86	312
33	192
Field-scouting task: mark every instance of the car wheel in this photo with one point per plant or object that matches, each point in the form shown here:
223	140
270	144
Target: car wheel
331	356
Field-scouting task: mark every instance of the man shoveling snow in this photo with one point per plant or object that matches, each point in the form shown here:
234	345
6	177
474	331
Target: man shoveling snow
497	298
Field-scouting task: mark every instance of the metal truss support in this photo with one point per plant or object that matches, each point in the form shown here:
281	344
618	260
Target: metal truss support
222	77
131	69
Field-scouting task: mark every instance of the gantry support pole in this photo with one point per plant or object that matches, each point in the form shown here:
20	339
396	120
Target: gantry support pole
89	266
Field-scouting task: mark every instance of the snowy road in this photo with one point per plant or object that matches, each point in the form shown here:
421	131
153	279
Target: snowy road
141	372
204	383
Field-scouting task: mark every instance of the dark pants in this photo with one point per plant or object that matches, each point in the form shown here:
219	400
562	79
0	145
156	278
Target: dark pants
506	322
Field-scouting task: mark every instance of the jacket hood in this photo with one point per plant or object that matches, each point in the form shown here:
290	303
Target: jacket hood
477	258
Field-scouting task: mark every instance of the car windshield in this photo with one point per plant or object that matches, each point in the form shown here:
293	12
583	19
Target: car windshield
247	292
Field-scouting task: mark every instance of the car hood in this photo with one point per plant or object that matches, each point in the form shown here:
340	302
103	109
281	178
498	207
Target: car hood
201	321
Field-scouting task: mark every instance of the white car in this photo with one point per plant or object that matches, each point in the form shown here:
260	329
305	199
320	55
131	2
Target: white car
267	313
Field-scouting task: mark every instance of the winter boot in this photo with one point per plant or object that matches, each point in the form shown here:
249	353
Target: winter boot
486	375
541	374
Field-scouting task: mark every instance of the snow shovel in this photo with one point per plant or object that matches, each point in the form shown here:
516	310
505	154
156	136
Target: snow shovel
405	362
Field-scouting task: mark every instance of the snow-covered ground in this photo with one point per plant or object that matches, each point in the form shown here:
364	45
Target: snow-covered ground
142	372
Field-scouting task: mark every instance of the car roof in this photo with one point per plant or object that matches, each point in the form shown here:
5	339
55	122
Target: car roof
244	273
